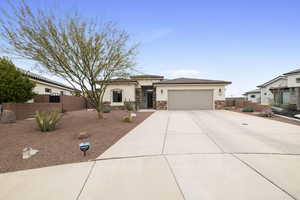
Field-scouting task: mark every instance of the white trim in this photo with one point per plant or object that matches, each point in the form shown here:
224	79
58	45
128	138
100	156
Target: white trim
290	118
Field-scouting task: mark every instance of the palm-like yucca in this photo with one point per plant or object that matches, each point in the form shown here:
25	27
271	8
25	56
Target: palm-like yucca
47	121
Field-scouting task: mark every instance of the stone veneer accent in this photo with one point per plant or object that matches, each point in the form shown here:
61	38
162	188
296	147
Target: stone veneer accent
220	104
138	98
161	105
154	98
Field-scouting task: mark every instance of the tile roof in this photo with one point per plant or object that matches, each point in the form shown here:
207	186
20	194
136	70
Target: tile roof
292	72
147	76
42	78
272	81
253	91
191	81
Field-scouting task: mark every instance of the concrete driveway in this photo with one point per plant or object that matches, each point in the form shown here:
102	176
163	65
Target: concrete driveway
189	155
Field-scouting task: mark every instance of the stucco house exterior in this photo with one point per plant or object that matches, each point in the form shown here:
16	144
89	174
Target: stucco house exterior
47	86
282	90
253	96
155	92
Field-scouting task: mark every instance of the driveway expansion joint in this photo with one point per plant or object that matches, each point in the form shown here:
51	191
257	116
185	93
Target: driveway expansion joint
194	118
166	134
174	176
204	153
266	178
86	180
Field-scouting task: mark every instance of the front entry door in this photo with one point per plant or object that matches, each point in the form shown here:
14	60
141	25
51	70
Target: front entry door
149	99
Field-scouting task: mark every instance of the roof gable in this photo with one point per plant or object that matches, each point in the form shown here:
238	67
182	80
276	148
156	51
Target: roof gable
272	81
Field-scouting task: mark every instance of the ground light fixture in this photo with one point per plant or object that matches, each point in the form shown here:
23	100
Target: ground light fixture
84	147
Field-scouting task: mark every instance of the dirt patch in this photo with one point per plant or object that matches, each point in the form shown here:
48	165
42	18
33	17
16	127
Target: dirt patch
280	119
62	145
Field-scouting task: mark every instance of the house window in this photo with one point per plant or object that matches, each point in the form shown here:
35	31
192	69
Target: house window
253	96
297	80
117	96
47	90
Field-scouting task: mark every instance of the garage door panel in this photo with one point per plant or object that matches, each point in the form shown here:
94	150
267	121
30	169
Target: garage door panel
190	99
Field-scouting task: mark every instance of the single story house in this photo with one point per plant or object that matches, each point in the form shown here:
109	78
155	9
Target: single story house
47	86
282	90
155	92
253	96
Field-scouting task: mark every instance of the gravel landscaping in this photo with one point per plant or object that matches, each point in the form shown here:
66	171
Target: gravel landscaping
62	145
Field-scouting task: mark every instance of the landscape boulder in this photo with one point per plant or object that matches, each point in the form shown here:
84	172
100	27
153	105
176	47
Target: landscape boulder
267	113
8	116
298	116
83	135
28	152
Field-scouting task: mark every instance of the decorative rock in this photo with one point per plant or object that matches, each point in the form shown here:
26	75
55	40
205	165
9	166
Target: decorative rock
298	115
7	116
83	135
28	152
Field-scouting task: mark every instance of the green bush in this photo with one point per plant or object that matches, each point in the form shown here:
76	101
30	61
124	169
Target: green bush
14	86
47	121
248	109
291	107
106	110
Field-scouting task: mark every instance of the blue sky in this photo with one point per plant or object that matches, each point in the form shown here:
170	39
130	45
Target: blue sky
246	42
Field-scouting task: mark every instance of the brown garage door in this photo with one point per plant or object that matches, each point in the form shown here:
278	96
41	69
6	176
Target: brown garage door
190	99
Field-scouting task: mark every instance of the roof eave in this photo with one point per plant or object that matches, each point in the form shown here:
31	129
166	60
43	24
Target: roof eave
211	83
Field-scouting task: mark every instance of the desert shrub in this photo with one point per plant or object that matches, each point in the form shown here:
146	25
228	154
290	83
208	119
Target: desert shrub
248	109
267	113
47	121
290	107
129	106
106	110
128	118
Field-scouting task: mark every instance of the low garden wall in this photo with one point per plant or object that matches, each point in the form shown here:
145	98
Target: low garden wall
70	103
27	110
239	103
41	103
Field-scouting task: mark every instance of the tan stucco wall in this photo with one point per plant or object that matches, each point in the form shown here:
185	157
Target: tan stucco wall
267	97
163	96
40	88
291	82
144	82
128	93
255	99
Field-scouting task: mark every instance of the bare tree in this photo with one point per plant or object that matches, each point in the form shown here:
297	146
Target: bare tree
80	51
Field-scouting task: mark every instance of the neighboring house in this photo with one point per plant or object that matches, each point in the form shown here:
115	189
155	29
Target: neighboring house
253	96
282	90
152	91
47	86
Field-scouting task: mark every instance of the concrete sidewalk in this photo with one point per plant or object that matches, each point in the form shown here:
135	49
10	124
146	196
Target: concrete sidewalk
178	155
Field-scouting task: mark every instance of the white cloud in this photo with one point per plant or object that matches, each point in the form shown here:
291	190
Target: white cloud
189	73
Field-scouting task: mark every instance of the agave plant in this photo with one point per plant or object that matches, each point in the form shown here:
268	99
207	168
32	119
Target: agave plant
47	121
